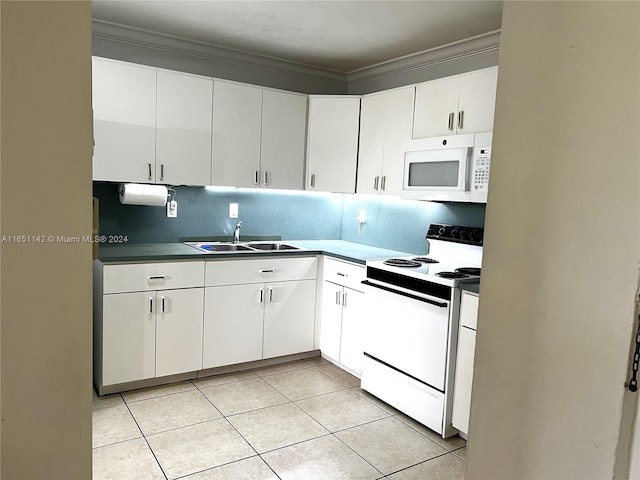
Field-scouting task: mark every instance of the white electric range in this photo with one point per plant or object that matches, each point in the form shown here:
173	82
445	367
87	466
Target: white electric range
412	324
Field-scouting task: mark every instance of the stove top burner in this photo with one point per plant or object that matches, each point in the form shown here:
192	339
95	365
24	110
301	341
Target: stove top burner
451	275
474	271
425	260
401	262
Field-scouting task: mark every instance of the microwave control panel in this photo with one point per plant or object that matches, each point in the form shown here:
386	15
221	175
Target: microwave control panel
480	174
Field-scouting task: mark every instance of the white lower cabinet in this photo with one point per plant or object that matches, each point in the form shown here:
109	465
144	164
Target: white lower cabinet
464	361
289	316
342	314
147	320
252	320
179	331
151	334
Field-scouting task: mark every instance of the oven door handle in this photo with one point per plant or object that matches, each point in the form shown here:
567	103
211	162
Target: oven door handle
414	297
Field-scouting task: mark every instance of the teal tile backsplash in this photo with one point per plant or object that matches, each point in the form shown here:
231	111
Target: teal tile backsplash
391	223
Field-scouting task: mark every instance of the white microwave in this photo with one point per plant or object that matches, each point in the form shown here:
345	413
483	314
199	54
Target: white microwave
454	168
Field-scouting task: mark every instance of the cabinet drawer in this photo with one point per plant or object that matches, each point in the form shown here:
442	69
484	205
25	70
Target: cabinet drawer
268	269
139	277
469	310
344	273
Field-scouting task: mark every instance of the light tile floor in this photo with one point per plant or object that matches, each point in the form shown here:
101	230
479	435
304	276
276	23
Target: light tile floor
302	420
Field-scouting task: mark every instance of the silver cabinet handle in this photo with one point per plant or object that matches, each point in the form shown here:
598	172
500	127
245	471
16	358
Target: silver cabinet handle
267	270
460	118
266	178
150	304
313	180
384	183
163	304
261	295
149	165
270	295
338	298
375	182
156	277
256	178
342	274
344	299
450	126
162	172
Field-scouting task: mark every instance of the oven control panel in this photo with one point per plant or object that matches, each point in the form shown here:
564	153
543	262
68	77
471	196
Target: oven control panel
455	233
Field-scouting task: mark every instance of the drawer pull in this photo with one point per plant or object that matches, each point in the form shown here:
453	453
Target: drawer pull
163	304
150	304
267	270
261	295
156	277
337	298
342	274
344	299
270	295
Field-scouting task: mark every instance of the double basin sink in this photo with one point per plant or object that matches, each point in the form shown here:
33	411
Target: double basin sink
228	247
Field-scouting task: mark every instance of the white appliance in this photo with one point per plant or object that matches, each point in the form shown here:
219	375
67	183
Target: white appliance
412	325
454	168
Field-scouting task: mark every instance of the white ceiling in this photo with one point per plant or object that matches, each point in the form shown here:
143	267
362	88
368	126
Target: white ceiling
342	36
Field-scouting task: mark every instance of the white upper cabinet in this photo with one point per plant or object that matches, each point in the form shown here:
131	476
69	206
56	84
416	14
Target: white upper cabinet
150	125
237	119
332	143
258	137
183	137
386	120
284	128
124	122
458	104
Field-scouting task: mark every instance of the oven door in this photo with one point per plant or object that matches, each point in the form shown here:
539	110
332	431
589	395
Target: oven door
408	333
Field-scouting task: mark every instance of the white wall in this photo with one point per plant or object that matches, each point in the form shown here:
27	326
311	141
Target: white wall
45	189
561	251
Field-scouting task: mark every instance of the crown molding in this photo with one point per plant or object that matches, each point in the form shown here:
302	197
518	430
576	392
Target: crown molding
468	47
167	43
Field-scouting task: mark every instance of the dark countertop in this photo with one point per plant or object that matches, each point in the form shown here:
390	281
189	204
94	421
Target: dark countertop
471	287
149	252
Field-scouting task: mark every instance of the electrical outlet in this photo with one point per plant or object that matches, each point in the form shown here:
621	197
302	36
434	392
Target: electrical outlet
233	210
172	209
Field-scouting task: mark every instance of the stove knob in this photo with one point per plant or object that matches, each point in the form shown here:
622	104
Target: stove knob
463	235
441	231
454	233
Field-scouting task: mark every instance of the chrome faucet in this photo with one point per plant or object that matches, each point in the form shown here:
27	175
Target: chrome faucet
236	233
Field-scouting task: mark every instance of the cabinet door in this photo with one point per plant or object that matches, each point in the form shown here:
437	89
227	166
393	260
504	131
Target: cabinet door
124	122
183	137
477	100
331	322
128	337
284	127
179	331
399	121
289	317
436	107
463	379
237	119
332	143
232	324
351	345
373	125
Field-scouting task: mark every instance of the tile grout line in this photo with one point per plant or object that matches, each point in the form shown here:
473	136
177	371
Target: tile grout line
146	441
239	433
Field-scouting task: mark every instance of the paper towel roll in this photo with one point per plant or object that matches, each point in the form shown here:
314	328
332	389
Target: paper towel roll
141	194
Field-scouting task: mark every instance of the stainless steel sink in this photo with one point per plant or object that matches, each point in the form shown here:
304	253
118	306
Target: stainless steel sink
222	247
272	246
